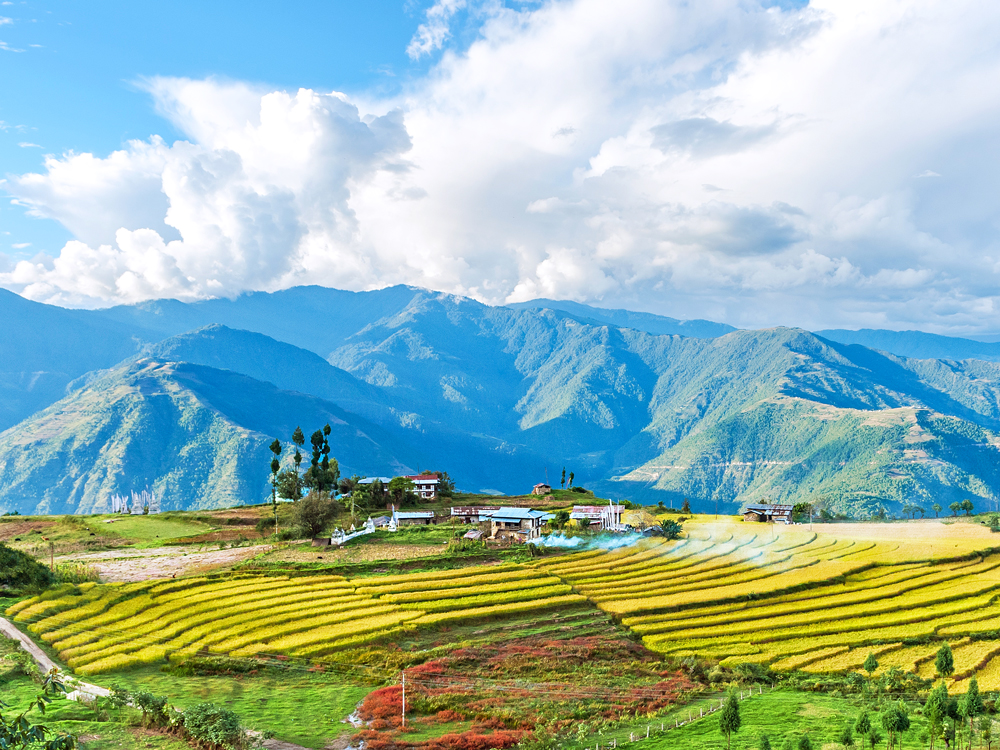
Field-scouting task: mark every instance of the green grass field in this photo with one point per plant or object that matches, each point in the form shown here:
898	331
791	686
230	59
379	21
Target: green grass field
780	714
300	707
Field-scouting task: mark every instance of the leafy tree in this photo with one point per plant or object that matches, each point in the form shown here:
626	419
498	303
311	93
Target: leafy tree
874	737
954	508
370	496
571	475
895	720
967	506
944	662
671	529
560	519
870	665
289	485
805	743
17	733
313	513
401	490
986	731
936	508
446	485
729	720
562	481
995	523
686	507
764	743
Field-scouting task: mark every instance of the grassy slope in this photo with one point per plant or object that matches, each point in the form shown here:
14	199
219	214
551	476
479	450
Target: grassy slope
778	714
298	707
67	716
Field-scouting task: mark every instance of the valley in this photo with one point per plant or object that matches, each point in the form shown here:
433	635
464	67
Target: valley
501	646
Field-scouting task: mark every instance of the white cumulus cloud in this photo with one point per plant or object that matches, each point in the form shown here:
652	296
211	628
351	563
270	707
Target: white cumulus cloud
723	159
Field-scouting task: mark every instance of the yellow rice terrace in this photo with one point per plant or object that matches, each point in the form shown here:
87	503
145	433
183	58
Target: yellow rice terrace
788	597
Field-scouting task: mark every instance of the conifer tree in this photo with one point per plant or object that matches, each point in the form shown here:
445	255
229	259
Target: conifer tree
936	709
275	467
945	661
972	706
729	720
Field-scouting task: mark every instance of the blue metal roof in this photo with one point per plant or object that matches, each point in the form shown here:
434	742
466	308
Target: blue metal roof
513	514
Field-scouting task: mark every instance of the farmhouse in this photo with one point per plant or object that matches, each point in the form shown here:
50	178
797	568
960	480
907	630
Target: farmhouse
425	485
515	524
413	517
759	513
371	480
542	489
471	513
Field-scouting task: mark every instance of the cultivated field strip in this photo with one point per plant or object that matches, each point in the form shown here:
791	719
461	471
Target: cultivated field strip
798	600
112	627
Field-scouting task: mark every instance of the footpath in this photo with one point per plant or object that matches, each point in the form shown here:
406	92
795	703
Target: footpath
85	692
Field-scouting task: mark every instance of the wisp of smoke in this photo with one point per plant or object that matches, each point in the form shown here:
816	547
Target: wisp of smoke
604	541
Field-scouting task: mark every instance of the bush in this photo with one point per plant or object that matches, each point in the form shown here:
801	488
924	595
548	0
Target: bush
215	725
581	490
20	572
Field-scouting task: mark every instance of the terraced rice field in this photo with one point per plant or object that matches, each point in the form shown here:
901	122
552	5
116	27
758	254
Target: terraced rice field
103	628
796	600
802	601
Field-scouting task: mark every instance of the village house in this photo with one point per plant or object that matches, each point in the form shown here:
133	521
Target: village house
425	485
471	513
515	524
413	517
371	480
542	489
760	513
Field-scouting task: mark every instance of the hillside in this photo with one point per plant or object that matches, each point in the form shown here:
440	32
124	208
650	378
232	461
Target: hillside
498	396
196	435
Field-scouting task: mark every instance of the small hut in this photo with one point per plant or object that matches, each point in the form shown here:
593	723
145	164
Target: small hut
760	513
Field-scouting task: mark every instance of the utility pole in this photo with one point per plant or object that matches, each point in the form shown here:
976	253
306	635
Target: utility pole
52	553
404	697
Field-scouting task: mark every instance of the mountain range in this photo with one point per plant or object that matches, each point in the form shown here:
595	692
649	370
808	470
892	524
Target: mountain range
185	397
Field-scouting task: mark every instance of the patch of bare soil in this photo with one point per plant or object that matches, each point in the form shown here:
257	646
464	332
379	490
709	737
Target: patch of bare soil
14	529
224	535
162	562
357	553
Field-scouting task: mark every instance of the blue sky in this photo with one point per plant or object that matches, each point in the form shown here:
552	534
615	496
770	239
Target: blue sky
71	87
831	164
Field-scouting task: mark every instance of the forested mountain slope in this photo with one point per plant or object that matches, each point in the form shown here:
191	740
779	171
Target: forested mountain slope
495	395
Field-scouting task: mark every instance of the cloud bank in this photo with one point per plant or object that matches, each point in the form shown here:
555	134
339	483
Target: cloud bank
826	166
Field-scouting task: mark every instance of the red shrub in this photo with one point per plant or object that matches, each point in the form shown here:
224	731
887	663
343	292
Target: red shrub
384	703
